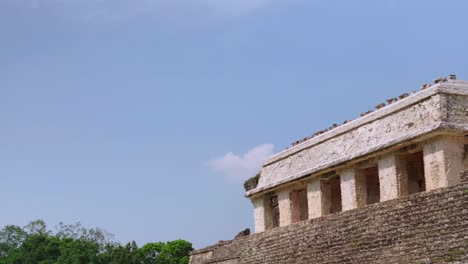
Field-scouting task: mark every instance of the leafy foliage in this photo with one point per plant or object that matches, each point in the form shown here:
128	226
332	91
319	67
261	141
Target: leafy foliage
74	244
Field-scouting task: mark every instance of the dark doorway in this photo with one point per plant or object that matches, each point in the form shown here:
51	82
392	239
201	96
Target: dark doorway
331	195
368	186
415	171
299	203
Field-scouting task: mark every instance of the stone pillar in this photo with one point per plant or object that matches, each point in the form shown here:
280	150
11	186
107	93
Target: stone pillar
314	198
443	161
259	214
348	189
388	179
285	208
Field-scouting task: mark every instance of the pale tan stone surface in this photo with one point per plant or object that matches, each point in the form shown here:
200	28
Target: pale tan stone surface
388	177
348	189
229	261
443	161
285	208
314	198
259	214
392	152
443	106
201	257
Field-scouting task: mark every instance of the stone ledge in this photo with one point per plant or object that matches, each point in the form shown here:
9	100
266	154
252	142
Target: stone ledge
441	126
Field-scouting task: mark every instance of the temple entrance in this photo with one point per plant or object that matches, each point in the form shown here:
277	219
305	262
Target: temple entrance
368	186
331	195
271	211
299	203
411	176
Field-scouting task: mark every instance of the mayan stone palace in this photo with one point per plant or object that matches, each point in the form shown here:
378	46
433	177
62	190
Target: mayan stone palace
388	187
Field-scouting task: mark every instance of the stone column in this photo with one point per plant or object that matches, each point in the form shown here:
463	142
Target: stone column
285	208
348	189
314	198
259	214
388	178
443	161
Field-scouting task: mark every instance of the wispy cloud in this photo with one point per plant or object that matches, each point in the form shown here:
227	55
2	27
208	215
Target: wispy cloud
241	167
123	9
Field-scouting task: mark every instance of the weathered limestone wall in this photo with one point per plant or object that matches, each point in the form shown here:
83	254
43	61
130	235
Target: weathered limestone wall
427	227
285	208
443	161
202	257
348	189
388	177
259	214
443	106
314	196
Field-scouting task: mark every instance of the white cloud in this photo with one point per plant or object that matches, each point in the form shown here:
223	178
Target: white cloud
124	9
242	167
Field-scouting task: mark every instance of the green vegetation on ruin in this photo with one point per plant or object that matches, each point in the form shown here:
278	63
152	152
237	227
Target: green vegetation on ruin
74	244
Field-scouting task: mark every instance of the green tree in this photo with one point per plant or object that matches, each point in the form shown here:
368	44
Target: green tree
77	251
78	232
118	254
37	227
36	249
150	252
11	237
74	244
175	252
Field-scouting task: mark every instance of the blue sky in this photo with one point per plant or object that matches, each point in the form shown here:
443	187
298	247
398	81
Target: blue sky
144	117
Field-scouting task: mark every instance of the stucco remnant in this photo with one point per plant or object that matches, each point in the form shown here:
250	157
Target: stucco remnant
387	173
285	208
443	161
259	214
314	196
348	189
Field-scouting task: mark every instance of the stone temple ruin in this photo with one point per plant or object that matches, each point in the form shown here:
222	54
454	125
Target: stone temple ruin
411	148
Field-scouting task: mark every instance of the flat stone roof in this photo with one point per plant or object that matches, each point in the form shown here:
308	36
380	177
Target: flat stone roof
307	158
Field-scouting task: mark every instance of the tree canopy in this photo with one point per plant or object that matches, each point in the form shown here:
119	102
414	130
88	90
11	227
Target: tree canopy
75	244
